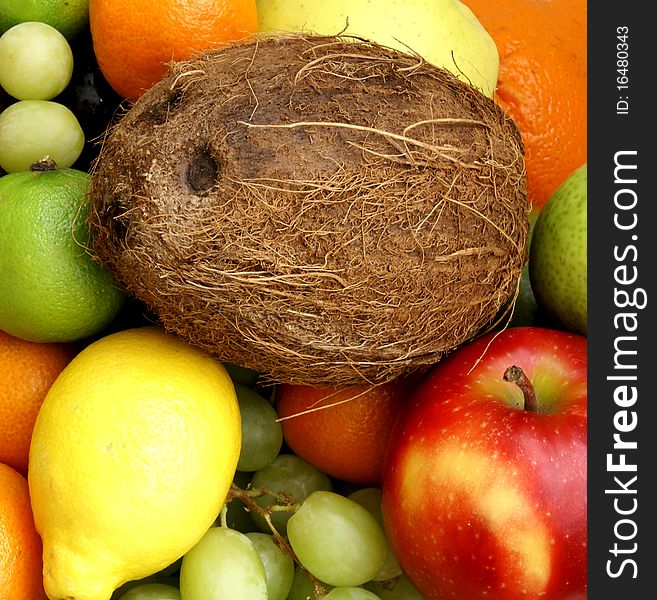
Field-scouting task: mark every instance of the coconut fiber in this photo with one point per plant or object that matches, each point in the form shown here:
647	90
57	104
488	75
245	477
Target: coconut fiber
323	210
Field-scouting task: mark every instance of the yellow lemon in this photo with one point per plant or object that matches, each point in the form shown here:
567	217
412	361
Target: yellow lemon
132	455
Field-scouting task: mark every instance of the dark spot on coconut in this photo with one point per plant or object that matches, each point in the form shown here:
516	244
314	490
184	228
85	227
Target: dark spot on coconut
159	112
114	214
202	171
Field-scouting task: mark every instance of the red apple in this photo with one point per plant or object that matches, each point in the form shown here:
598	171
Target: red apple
484	495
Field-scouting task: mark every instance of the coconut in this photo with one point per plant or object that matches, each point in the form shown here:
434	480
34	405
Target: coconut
323	210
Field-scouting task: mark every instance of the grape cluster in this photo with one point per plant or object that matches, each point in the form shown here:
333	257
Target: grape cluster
54	100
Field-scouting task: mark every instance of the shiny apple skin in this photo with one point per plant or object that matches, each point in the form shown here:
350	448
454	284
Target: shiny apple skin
483	500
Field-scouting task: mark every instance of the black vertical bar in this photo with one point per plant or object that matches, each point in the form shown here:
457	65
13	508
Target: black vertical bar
622	270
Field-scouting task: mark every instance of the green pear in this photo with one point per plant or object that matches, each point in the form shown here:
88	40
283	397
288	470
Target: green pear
445	33
557	256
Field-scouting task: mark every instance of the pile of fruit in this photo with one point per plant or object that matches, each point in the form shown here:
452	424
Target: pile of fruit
136	464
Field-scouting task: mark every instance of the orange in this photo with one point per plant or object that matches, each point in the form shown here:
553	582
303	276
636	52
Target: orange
28	370
134	39
342	431
21	563
542	83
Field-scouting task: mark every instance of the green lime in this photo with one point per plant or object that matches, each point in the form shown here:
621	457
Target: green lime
51	289
68	16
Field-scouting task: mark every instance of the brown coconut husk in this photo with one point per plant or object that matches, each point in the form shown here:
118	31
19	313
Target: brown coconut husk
323	210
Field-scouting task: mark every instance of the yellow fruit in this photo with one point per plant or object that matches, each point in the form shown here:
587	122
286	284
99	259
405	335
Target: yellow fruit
132	455
443	32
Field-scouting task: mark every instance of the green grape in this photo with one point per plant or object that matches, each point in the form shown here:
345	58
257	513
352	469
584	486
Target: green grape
399	588
171	581
350	593
36	61
291	475
167	577
262	434
152	591
32	129
302	588
370	499
223	564
337	540
279	566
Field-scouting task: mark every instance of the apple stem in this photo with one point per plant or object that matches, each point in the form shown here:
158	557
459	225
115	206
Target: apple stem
516	375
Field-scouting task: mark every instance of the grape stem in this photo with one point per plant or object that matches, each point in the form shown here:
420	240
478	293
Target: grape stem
46	163
248	496
224	516
252	492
